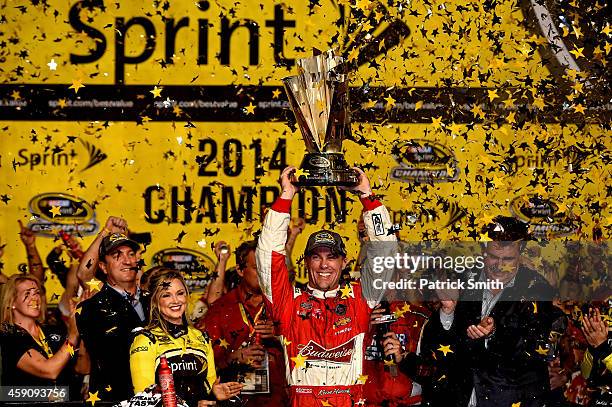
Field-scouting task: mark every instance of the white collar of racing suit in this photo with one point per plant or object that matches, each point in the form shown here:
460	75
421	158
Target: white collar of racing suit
322	294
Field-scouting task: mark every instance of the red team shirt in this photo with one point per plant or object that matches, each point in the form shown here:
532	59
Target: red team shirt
229	330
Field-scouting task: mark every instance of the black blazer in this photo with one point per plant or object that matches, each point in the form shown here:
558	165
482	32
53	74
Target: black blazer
105	323
509	369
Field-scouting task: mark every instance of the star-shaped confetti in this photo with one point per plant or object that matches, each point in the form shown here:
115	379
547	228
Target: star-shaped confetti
399	312
52	65
55	211
93	397
156	91
94	285
299	360
445	349
346	292
299	172
223	343
250	109
76	85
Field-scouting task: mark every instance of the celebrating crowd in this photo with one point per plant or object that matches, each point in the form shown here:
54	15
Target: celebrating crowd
266	339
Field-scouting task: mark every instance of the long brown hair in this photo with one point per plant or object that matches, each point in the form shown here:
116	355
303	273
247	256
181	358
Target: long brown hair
156	288
9	295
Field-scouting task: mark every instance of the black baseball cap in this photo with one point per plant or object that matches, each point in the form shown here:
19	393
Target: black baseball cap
115	240
325	238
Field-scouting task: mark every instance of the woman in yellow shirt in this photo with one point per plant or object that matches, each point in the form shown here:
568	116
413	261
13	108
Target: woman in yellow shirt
188	351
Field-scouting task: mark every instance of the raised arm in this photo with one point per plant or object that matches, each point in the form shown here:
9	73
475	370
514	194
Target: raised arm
35	264
271	252
89	261
216	288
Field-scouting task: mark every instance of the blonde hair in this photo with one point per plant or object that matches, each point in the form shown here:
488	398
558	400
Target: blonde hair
9	295
156	288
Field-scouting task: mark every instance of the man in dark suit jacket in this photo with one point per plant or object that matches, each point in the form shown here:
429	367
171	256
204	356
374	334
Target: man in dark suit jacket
107	319
501	335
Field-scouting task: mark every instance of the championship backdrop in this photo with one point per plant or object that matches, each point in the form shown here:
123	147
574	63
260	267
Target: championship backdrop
172	115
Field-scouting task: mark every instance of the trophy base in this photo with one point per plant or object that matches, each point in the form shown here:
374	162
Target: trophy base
326	169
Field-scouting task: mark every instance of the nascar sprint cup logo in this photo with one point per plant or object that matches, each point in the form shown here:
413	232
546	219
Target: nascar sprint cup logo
196	267
545	217
55	211
423	161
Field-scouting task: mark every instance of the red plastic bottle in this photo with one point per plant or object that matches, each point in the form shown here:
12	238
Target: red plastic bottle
166	382
75	250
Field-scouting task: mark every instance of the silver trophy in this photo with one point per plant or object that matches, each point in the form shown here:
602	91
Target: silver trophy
319	98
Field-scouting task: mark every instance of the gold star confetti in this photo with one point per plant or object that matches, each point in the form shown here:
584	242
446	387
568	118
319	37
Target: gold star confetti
389	362
55	211
492	95
299	172
578	52
369	104
347	292
156	91
93	397
362	379
445	349
76	85
94	285
299	360
250	109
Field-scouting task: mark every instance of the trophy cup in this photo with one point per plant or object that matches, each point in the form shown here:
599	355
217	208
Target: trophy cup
318	97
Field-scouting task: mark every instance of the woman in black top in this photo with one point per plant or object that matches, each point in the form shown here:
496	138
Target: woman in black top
31	354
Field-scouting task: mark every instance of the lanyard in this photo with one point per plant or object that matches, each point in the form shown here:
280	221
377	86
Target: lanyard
246	317
42	342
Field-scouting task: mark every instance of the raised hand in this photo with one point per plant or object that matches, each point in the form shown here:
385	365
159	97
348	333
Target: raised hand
116	224
222	251
363	187
288	190
26	235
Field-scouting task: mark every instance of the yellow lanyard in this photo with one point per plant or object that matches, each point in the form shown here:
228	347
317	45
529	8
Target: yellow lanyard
42	342
247	318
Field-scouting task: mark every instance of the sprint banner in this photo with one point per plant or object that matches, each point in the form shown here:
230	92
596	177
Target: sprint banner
173	115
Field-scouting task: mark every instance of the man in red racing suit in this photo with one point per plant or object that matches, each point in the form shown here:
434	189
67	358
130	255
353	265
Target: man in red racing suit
322	327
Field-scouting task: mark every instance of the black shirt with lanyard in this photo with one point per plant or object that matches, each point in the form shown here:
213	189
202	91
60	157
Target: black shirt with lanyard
16	342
